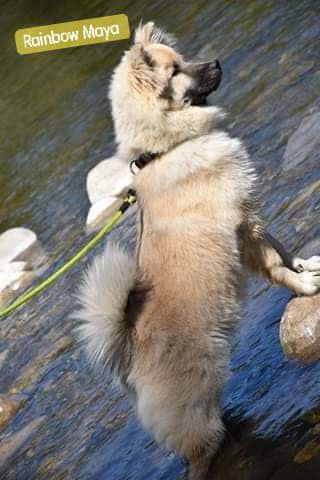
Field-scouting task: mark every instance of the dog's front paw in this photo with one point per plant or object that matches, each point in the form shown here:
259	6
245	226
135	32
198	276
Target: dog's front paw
311	264
309	283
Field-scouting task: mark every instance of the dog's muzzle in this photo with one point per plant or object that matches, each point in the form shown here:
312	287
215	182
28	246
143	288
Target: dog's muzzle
207	78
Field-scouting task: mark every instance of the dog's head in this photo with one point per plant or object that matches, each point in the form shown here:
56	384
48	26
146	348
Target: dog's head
157	93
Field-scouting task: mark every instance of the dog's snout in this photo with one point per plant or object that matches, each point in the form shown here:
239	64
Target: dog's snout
210	69
207	77
214	66
211	75
217	65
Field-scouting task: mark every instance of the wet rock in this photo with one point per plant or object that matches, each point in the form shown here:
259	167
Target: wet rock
107	183
303	145
33	371
14	243
47	467
245	456
3	356
309	451
61	346
300	324
20	440
300	329
8	409
312	417
13	277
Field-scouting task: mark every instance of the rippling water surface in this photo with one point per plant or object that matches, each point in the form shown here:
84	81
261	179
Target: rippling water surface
55	126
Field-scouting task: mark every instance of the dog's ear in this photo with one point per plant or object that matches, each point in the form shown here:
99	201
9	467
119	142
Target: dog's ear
139	57
149	33
141	69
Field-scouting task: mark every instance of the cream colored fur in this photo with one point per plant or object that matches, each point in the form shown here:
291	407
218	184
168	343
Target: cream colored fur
163	318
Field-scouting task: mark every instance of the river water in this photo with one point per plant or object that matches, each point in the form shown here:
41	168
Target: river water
55	126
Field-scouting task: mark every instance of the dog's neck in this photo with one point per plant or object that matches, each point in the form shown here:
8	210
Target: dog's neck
163	132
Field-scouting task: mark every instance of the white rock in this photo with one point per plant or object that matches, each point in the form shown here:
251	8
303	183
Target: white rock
14	242
102	210
9	278
13	275
13	267
110	178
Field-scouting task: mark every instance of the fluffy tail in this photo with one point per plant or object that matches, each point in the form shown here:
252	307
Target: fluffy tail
104	297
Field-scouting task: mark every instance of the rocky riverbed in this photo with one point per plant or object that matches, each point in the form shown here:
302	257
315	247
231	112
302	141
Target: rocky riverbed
58	418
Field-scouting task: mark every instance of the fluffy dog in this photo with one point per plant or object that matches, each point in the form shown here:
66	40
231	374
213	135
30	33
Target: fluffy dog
162	319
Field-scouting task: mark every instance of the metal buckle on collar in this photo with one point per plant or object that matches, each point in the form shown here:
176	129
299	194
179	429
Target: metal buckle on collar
134	169
142	161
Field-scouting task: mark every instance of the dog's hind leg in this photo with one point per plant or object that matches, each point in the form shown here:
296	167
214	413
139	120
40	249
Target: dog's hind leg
263	254
199	466
200	452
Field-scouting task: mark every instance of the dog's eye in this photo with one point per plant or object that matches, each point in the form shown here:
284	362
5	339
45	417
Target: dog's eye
176	70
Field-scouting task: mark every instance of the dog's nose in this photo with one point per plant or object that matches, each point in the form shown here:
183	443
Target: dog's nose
217	65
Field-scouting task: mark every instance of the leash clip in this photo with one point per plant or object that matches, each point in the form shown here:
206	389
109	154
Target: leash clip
134	169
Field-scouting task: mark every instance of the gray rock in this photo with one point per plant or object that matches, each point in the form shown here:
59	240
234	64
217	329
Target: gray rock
3	356
310	248
304	143
8	409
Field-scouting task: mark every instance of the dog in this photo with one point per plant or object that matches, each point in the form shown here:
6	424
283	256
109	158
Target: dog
162	319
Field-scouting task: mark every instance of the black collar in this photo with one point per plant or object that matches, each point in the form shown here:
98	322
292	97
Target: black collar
142	161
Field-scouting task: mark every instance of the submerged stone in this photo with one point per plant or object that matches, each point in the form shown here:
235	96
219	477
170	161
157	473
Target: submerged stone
12	446
303	145
309	451
8	409
35	369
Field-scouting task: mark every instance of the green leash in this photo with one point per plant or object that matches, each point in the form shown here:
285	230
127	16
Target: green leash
129	200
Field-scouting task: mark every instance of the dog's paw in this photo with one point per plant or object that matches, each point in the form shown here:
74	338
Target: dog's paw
311	264
309	283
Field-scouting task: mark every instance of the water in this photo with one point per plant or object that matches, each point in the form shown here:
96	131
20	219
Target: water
55	124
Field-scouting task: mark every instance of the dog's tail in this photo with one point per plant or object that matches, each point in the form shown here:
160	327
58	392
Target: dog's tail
105	296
